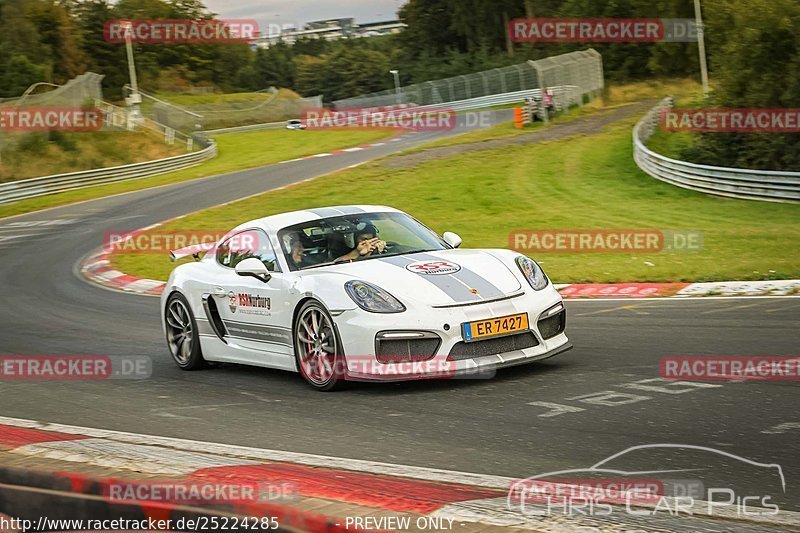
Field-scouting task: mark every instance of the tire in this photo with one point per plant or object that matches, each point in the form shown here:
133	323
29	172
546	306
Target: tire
317	348
183	339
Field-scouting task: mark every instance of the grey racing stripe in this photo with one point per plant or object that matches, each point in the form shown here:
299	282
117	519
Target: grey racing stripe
457	291
325	212
485	288
349	210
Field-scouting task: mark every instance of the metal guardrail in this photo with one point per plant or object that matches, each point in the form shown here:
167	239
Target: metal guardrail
563	97
32	188
765	185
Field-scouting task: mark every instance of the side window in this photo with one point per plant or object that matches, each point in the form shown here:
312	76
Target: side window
246	244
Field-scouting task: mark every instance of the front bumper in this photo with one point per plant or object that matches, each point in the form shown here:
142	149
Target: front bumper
358	330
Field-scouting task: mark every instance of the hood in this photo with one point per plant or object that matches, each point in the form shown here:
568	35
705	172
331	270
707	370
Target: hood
441	278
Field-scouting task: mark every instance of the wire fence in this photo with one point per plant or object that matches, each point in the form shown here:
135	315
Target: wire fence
225	111
582	70
80	92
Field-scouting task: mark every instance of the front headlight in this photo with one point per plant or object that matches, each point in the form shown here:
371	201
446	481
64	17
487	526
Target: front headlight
532	272
372	298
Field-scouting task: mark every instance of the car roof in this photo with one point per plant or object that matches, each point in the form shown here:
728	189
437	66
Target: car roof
275	223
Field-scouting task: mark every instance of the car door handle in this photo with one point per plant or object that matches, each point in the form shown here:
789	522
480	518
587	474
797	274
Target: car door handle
219	291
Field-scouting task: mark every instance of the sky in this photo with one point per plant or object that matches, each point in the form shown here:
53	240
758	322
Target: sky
298	12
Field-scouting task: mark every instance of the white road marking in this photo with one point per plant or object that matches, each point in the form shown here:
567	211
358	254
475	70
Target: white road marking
782	428
30	223
126	456
667	386
556	408
242	452
612	398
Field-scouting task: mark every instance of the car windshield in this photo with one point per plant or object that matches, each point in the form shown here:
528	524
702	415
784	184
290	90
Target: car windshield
355	238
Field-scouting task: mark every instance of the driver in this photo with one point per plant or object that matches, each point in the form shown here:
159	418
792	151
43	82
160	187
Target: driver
297	257
367	243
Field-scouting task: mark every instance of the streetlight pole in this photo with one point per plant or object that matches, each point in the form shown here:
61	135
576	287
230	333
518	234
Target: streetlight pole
701	46
396	74
135	98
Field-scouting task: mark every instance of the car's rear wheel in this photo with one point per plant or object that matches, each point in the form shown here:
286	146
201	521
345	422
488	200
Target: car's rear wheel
182	336
317	348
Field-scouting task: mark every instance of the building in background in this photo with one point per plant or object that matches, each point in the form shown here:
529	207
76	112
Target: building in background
331	30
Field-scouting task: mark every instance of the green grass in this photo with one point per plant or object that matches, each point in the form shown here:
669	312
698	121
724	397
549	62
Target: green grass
507	129
585	182
39	154
670	144
237	151
673	143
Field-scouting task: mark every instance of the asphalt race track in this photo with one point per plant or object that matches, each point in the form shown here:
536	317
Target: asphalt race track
568	412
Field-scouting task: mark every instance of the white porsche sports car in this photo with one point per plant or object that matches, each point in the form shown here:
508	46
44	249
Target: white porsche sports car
358	293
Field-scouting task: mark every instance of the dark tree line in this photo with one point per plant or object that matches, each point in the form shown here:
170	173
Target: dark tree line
753	46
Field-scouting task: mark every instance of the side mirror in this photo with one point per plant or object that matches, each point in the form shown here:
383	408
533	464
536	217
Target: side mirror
253	267
452	239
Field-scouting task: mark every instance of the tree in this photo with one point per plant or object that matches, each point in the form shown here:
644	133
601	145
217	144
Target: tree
275	66
59	33
102	57
756	60
19	74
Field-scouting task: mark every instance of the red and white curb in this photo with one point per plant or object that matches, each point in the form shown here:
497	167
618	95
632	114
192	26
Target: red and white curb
458	496
97	268
678	290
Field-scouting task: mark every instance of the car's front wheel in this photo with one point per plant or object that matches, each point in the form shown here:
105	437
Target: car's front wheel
182	336
319	355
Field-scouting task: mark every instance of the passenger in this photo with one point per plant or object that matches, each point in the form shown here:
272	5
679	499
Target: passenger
297	257
367	243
